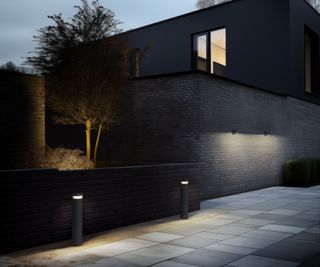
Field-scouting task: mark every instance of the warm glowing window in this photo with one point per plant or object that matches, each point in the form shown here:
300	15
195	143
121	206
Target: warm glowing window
210	58
200	52
218	49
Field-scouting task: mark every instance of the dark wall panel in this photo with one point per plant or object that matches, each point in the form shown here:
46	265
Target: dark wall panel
22	119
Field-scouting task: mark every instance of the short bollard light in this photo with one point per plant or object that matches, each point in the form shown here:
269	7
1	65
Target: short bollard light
77	210
184	200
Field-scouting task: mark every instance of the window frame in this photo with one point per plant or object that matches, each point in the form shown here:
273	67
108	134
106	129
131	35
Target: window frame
208	34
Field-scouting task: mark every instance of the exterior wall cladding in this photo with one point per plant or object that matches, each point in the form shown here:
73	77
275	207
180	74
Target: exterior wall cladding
190	117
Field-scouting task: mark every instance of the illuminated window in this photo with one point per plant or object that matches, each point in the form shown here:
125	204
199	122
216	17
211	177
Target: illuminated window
218	49
200	52
210	58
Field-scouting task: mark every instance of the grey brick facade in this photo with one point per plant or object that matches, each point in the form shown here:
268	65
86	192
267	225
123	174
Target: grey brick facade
190	117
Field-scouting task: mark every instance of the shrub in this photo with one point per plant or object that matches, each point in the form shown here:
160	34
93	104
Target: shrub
302	172
65	159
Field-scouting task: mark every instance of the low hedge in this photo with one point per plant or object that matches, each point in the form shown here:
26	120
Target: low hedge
302	172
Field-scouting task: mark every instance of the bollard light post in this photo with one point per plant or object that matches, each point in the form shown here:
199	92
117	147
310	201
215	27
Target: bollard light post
77	219
184	200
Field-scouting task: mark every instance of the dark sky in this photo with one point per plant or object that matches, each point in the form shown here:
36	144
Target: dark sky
19	19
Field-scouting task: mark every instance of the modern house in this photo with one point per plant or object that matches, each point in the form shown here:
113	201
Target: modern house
234	87
273	45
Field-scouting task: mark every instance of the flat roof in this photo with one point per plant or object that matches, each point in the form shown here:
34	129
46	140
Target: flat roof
183	15
198	11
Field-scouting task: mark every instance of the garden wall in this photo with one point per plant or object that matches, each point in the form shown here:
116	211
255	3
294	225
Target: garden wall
35	205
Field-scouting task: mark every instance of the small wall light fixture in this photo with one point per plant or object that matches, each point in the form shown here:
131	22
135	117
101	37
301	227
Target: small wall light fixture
77	219
265	133
233	132
184	200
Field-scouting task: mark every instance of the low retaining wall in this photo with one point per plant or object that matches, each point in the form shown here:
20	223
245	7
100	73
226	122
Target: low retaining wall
36	204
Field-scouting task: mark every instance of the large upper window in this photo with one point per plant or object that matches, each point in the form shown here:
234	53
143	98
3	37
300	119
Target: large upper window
218	49
210	58
311	50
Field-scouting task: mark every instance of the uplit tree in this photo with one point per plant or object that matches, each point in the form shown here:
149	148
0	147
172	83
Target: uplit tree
89	88
76	93
207	3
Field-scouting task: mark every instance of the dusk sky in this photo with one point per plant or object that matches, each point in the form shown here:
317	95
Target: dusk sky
19	19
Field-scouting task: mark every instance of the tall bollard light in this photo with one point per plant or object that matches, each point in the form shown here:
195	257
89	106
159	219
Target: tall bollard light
77	220
184	200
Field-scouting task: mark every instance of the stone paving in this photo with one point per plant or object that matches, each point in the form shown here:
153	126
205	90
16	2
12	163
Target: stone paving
277	226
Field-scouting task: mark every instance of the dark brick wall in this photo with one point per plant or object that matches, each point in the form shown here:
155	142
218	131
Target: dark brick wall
22	118
189	118
165	119
35	205
249	159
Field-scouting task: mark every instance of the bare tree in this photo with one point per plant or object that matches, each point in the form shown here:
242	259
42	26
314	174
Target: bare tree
88	88
315	4
73	88
207	3
90	23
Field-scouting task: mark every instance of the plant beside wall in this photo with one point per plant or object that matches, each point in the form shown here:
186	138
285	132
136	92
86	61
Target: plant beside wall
302	172
65	159
85	72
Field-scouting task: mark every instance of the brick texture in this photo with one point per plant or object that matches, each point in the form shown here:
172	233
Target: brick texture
22	118
189	118
36	206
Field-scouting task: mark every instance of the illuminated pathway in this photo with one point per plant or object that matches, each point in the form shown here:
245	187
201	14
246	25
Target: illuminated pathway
277	226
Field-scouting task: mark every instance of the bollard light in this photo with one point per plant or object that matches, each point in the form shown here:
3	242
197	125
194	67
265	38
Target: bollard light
184	200
77	220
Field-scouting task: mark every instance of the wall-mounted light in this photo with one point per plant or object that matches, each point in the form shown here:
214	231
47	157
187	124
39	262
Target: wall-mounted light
184	200
77	219
233	132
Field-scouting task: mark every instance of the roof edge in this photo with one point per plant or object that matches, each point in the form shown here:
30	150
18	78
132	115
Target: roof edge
180	16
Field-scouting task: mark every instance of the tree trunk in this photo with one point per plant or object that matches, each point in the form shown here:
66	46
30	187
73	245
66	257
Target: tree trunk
88	139
96	146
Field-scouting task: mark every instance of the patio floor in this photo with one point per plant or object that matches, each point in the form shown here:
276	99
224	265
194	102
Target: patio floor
277	226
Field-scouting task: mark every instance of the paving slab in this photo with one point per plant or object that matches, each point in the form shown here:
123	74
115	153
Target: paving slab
283	228
192	242
254	261
251	242
158	237
153	255
207	258
231	249
119	247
